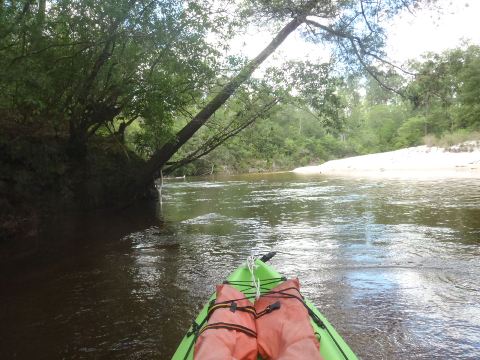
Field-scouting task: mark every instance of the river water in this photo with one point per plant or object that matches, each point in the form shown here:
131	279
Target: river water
394	265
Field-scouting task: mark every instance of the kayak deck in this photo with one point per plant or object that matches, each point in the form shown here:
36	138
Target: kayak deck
332	346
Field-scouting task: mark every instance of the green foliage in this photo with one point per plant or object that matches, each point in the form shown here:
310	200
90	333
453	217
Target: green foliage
468	113
79	66
287	138
85	83
411	132
452	138
377	129
447	88
328	118
137	72
296	88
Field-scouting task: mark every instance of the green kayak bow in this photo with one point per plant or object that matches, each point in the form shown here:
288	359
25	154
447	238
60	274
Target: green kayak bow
332	346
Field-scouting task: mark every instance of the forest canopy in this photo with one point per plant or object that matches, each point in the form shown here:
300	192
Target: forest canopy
438	106
97	97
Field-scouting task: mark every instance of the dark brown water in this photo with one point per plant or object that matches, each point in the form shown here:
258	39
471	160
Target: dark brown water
394	265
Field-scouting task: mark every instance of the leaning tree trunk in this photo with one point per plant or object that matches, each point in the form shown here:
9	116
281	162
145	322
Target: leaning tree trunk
161	156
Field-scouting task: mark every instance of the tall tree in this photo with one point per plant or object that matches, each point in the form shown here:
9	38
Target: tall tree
76	68
445	90
355	29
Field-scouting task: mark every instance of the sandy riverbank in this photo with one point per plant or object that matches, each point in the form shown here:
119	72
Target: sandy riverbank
415	162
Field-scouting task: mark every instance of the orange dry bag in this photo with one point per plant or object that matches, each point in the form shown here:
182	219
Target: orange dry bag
286	333
230	333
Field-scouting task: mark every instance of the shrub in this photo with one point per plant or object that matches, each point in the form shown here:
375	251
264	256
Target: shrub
411	132
430	140
451	138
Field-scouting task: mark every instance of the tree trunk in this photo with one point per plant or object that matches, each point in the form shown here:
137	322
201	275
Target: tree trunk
161	156
39	26
41	13
77	142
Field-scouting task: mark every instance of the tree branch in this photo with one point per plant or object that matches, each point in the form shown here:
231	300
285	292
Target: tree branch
162	155
365	17
219	138
360	53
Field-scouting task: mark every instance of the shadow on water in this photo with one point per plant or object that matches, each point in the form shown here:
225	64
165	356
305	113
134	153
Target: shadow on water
92	285
63	236
392	264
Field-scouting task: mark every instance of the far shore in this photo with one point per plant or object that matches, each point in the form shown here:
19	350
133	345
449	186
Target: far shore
461	160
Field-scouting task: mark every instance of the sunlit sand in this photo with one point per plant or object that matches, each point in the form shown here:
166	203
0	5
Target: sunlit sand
415	162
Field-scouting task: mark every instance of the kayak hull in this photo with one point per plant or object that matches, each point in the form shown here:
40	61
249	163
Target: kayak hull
332	346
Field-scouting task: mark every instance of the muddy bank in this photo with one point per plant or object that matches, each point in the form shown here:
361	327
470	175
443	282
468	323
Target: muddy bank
37	178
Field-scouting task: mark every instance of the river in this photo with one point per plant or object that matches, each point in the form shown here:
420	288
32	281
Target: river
394	265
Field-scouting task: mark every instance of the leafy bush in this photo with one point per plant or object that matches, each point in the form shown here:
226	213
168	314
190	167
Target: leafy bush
411	132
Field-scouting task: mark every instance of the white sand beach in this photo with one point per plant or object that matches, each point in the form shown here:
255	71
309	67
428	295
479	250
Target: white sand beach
416	162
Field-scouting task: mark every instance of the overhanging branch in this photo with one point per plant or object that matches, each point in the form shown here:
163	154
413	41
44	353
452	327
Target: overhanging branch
360	52
219	138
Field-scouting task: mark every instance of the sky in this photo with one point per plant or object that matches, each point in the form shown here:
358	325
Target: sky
409	36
